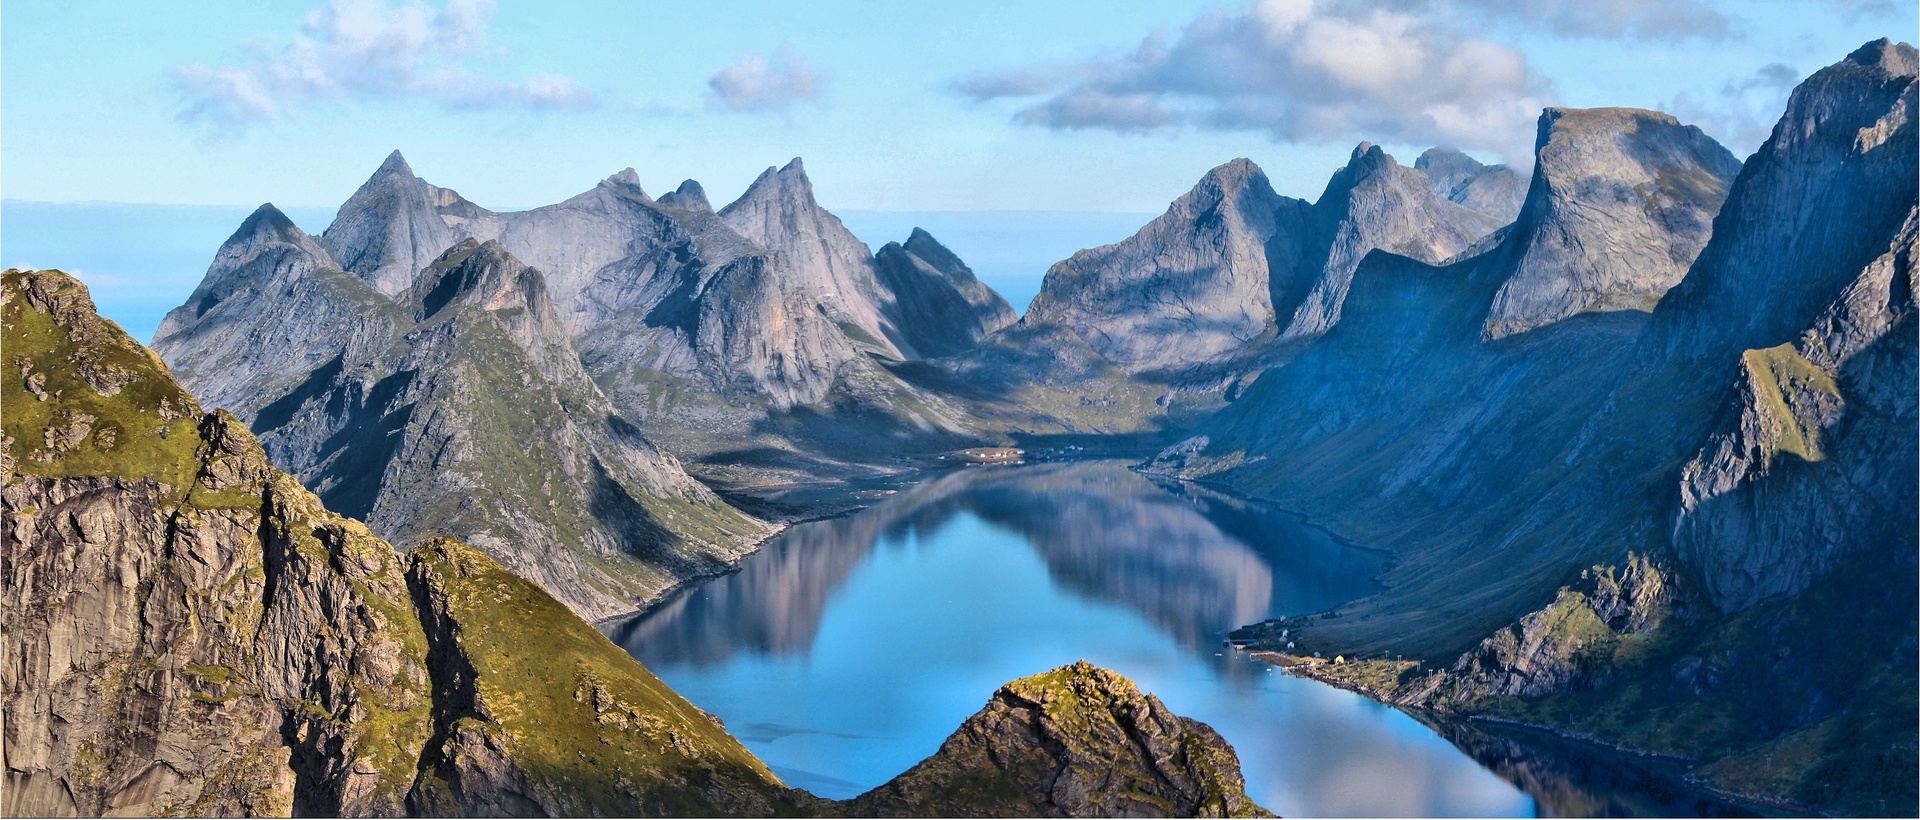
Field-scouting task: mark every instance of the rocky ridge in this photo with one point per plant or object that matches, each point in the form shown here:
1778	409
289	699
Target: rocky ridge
753	341
1622	202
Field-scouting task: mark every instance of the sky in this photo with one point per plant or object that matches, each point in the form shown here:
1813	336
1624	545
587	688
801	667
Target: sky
1005	105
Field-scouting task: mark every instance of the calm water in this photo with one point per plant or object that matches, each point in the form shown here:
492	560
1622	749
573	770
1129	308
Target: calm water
849	649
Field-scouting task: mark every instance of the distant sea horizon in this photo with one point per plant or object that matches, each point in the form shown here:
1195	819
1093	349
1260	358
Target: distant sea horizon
141	260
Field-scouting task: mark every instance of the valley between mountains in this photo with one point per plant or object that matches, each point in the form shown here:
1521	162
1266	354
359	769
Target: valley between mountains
1638	427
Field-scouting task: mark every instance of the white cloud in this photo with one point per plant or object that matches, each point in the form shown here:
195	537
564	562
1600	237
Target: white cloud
1740	114
367	49
755	83
1299	71
1603	19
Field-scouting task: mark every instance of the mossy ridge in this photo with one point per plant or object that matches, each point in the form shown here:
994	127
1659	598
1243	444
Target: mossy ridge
593	731
130	420
1787	386
1075	741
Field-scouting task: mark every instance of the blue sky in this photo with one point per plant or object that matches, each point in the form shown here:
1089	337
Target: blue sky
1103	106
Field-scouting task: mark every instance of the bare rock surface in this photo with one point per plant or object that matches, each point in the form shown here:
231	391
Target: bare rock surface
1622	201
459	408
1193	286
942	308
1371	203
1494	190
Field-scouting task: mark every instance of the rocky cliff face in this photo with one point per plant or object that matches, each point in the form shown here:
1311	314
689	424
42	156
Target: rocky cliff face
1622	201
1493	190
1194	286
393	226
1811	209
189	631
702	328
827	262
478	420
459	408
1808	458
1372	203
941	308
1232	266
1078	741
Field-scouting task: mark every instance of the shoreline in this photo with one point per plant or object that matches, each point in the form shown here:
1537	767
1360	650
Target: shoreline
1303	667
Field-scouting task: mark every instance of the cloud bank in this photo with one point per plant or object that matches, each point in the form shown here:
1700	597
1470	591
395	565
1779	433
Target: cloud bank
367	49
1300	72
756	83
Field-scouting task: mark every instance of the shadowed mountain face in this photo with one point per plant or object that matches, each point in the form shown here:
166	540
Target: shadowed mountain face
1233	264
1192	287
1632	524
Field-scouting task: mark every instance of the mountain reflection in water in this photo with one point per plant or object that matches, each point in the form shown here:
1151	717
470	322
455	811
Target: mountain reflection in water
1180	555
847	650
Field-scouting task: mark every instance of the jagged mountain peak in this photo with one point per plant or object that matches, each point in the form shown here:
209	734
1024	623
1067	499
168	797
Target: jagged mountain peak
1637	182
922	244
483	268
1815	204
1192	287
269	221
1897	59
939	307
394	165
787	184
392	226
1368	160
627	182
1493	190
688	197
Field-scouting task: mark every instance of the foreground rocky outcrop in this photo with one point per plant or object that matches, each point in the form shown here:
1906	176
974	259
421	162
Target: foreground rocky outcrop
1078	741
191	632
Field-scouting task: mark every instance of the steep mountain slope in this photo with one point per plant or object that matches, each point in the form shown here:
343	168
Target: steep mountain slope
941	308
752	342
1372	202
191	632
1688	532
459	408
827	262
1231	263
1192	287
1608	180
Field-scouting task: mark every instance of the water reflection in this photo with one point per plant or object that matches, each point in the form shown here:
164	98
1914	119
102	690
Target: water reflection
846	651
1573	779
1194	561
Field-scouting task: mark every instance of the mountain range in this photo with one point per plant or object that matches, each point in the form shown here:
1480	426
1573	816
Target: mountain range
1639	426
